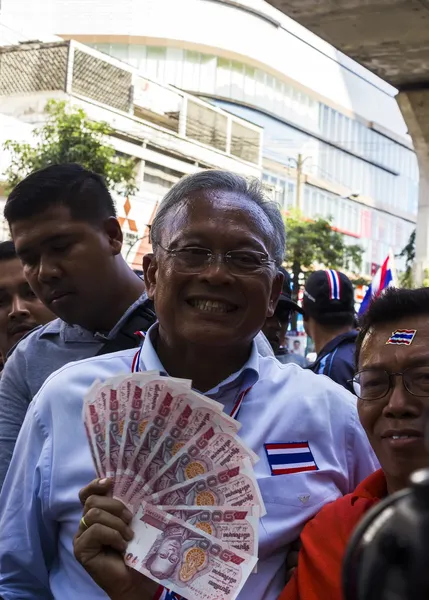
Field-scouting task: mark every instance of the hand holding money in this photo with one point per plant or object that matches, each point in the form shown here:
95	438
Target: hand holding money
177	466
103	535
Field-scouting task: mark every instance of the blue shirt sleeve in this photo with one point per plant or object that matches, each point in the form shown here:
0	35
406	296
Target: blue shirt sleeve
28	541
15	397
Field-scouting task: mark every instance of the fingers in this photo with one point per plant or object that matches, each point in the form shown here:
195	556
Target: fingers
112	519
110	505
98	536
99	487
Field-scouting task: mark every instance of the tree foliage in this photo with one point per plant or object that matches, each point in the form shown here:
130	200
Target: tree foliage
409	253
311	243
69	136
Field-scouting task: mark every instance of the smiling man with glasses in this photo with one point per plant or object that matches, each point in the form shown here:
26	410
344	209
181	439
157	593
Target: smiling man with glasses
217	246
392	385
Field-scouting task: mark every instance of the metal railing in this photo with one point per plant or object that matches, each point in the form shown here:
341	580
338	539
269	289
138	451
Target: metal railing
87	73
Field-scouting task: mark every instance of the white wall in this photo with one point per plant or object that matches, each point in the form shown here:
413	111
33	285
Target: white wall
288	49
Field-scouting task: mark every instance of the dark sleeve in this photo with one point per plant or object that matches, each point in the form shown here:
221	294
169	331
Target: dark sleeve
15	397
339	366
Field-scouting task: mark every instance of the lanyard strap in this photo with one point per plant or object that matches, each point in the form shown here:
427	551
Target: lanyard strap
237	406
135	366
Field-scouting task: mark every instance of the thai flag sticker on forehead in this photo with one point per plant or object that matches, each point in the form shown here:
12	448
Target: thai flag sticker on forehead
402	336
334	284
290	457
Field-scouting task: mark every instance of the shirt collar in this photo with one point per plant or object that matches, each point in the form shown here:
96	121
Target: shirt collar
246	377
76	333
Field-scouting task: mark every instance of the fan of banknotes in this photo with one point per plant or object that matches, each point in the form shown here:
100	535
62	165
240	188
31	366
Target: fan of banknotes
177	463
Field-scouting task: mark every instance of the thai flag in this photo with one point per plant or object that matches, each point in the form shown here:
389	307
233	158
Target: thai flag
291	457
402	336
384	278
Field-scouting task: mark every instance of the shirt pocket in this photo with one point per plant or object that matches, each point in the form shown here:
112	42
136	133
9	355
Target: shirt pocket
292	499
299	489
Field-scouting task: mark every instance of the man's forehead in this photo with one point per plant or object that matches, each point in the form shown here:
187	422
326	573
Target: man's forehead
208	207
11	272
396	341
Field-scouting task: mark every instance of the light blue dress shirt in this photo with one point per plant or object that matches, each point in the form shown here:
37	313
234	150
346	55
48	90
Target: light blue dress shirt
39	506
32	360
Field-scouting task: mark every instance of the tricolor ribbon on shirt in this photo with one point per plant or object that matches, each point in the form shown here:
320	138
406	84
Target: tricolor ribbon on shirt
135	367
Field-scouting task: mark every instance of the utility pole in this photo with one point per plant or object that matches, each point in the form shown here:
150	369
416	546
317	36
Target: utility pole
299	168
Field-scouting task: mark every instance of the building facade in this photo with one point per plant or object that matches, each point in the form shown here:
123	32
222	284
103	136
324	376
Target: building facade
327	122
167	132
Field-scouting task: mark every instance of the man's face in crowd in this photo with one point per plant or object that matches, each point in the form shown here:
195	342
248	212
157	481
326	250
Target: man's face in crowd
214	307
68	263
395	423
275	329
20	309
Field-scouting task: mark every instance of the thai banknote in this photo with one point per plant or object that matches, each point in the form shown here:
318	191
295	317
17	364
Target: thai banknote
184	558
132	481
94	413
146	395
115	416
88	415
235	486
237	527
192	414
213	447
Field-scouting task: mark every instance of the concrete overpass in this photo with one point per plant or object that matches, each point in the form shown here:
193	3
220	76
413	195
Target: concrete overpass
391	39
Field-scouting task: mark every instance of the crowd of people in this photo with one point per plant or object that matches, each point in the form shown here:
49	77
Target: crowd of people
215	304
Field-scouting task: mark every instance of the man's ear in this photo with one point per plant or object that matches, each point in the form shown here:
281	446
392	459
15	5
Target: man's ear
150	271
114	233
276	290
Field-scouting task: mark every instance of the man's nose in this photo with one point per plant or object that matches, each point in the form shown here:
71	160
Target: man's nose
400	402
216	271
48	270
18	307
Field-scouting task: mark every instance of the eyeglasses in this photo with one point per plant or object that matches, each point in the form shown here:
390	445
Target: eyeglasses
373	384
193	260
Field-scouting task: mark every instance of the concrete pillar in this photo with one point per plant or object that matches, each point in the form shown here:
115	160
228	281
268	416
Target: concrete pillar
414	106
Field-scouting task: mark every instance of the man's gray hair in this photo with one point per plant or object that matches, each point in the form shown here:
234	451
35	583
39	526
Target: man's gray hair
223	180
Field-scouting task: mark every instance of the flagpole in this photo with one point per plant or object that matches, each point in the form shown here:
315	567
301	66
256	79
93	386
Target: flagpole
393	268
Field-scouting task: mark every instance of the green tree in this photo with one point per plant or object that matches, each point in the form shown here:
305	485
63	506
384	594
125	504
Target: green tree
406	279
68	135
314	242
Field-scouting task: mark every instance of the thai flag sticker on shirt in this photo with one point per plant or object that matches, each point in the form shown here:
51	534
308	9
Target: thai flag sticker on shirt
291	457
402	336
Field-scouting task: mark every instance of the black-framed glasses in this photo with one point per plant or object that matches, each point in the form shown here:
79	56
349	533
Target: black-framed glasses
193	260
373	384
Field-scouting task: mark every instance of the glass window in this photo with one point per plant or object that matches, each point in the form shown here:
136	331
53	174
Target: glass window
249	85
174	66
260	87
191	71
223	78
155	62
208	66
237	80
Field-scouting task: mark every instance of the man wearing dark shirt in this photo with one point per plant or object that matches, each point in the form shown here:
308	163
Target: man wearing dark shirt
275	328
329	317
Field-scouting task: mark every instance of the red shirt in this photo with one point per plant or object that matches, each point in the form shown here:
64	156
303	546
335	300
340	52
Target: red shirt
324	541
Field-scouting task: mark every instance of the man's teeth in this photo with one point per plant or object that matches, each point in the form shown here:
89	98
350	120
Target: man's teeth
212	306
401	437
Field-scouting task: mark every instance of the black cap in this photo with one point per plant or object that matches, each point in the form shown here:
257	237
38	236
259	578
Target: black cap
285	302
328	293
